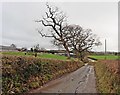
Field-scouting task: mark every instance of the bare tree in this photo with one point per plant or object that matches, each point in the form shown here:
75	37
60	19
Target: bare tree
13	45
55	20
71	37
80	40
36	48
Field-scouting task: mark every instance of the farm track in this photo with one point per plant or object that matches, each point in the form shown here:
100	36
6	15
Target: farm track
79	81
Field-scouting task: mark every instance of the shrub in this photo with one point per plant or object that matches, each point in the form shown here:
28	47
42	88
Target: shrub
21	74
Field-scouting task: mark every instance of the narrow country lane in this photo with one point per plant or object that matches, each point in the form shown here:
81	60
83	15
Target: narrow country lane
79	81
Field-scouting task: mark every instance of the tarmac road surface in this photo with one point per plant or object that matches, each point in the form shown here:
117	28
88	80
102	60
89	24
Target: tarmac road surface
79	81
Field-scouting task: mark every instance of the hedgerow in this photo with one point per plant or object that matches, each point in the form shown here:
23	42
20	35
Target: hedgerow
20	74
108	79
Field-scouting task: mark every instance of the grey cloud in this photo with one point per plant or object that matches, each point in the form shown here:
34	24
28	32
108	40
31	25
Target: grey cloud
19	26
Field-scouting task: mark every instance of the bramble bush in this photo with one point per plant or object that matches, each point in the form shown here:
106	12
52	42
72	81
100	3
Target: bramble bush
20	74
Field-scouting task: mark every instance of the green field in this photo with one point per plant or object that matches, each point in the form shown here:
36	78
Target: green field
109	57
55	56
41	55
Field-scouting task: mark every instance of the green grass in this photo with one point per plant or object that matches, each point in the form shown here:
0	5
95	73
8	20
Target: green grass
109	57
41	55
14	53
52	56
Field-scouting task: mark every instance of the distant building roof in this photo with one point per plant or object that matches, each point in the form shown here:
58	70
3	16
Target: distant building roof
7	48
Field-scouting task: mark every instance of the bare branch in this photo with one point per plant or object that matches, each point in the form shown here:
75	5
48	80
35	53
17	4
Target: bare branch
43	35
55	19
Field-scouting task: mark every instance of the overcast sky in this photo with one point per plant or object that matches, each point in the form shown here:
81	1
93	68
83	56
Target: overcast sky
19	28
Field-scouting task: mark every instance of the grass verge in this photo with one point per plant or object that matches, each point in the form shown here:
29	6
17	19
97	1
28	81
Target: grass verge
107	81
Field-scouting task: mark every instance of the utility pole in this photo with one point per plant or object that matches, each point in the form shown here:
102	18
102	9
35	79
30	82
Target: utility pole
105	49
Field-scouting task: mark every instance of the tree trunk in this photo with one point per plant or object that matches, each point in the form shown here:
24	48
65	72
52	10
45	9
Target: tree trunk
79	55
82	56
67	51
68	54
